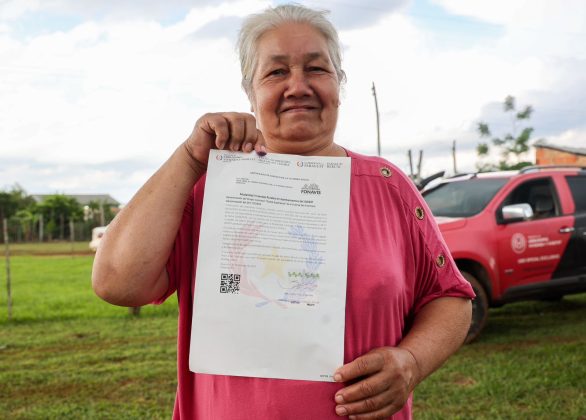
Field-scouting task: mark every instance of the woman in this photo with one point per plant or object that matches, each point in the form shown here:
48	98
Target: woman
408	308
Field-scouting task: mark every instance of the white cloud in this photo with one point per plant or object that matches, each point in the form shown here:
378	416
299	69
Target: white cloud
570	138
13	9
426	97
541	27
567	16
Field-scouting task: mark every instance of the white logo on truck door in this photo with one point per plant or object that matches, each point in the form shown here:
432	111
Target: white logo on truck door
518	243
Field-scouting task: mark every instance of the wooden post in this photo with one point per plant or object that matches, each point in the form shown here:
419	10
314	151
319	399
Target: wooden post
419	162
8	279
72	236
410	163
134	310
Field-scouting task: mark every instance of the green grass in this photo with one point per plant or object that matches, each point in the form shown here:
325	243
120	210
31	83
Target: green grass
66	354
49	248
530	362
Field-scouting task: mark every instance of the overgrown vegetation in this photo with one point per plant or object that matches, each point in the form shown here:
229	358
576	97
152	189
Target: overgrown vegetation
512	146
67	355
50	219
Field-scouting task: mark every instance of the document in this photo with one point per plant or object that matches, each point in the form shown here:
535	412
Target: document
270	288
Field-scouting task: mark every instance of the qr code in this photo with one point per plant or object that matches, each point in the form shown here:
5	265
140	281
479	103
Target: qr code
230	283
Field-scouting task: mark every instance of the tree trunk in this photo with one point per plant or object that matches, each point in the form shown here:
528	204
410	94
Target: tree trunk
102	218
41	221
134	310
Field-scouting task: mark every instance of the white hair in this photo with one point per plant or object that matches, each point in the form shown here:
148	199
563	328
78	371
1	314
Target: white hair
254	26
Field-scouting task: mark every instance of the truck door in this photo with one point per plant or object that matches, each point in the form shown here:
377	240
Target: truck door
573	262
529	251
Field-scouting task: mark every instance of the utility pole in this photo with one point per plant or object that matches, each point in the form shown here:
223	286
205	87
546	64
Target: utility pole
454	156
377	120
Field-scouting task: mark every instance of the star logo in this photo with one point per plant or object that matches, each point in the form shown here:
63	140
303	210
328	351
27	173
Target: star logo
273	265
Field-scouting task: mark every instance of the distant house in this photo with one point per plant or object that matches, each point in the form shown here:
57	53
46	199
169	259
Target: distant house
549	154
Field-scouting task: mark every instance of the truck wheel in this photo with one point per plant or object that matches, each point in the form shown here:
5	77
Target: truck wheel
479	308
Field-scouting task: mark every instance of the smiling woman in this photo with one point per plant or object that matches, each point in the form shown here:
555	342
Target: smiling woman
295	91
407	306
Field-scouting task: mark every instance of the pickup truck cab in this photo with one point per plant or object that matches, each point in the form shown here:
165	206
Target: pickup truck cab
515	235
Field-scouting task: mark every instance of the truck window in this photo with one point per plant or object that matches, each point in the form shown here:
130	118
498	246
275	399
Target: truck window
539	194
578	188
462	198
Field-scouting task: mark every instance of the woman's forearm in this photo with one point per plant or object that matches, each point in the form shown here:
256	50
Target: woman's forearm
129	268
438	330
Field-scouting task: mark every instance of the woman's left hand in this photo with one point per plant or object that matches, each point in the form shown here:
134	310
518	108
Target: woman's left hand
384	379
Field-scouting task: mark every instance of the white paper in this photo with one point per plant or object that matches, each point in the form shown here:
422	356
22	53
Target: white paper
280	223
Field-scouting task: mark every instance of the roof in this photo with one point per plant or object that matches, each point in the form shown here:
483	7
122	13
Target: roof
82	199
574	150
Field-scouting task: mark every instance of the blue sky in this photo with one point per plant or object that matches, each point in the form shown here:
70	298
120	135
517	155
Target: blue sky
97	94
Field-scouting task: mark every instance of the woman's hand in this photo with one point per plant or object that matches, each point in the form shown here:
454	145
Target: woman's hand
384	379
224	130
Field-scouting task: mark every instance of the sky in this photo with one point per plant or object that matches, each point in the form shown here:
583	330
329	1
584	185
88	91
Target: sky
96	95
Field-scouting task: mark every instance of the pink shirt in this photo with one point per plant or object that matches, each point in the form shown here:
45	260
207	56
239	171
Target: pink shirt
397	262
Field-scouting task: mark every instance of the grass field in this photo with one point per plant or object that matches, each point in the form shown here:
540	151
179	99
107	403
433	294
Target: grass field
66	354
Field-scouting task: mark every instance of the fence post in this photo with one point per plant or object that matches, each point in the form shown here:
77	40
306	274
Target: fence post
8	280
41	223
72	236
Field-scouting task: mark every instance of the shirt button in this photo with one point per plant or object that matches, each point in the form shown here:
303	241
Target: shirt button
386	172
419	213
440	261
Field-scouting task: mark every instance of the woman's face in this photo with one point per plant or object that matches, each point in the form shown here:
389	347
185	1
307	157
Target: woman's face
295	90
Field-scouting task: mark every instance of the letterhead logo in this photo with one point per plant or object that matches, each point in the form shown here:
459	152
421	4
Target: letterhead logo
219	157
518	243
312	189
310	164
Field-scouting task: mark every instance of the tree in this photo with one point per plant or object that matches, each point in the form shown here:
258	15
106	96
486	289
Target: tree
26	220
8	205
99	212
58	210
512	145
13	201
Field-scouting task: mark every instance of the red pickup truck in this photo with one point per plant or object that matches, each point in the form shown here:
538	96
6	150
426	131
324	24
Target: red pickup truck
515	235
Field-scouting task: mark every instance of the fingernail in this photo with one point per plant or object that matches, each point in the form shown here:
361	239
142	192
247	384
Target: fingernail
341	411
263	150
340	399
247	147
337	377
